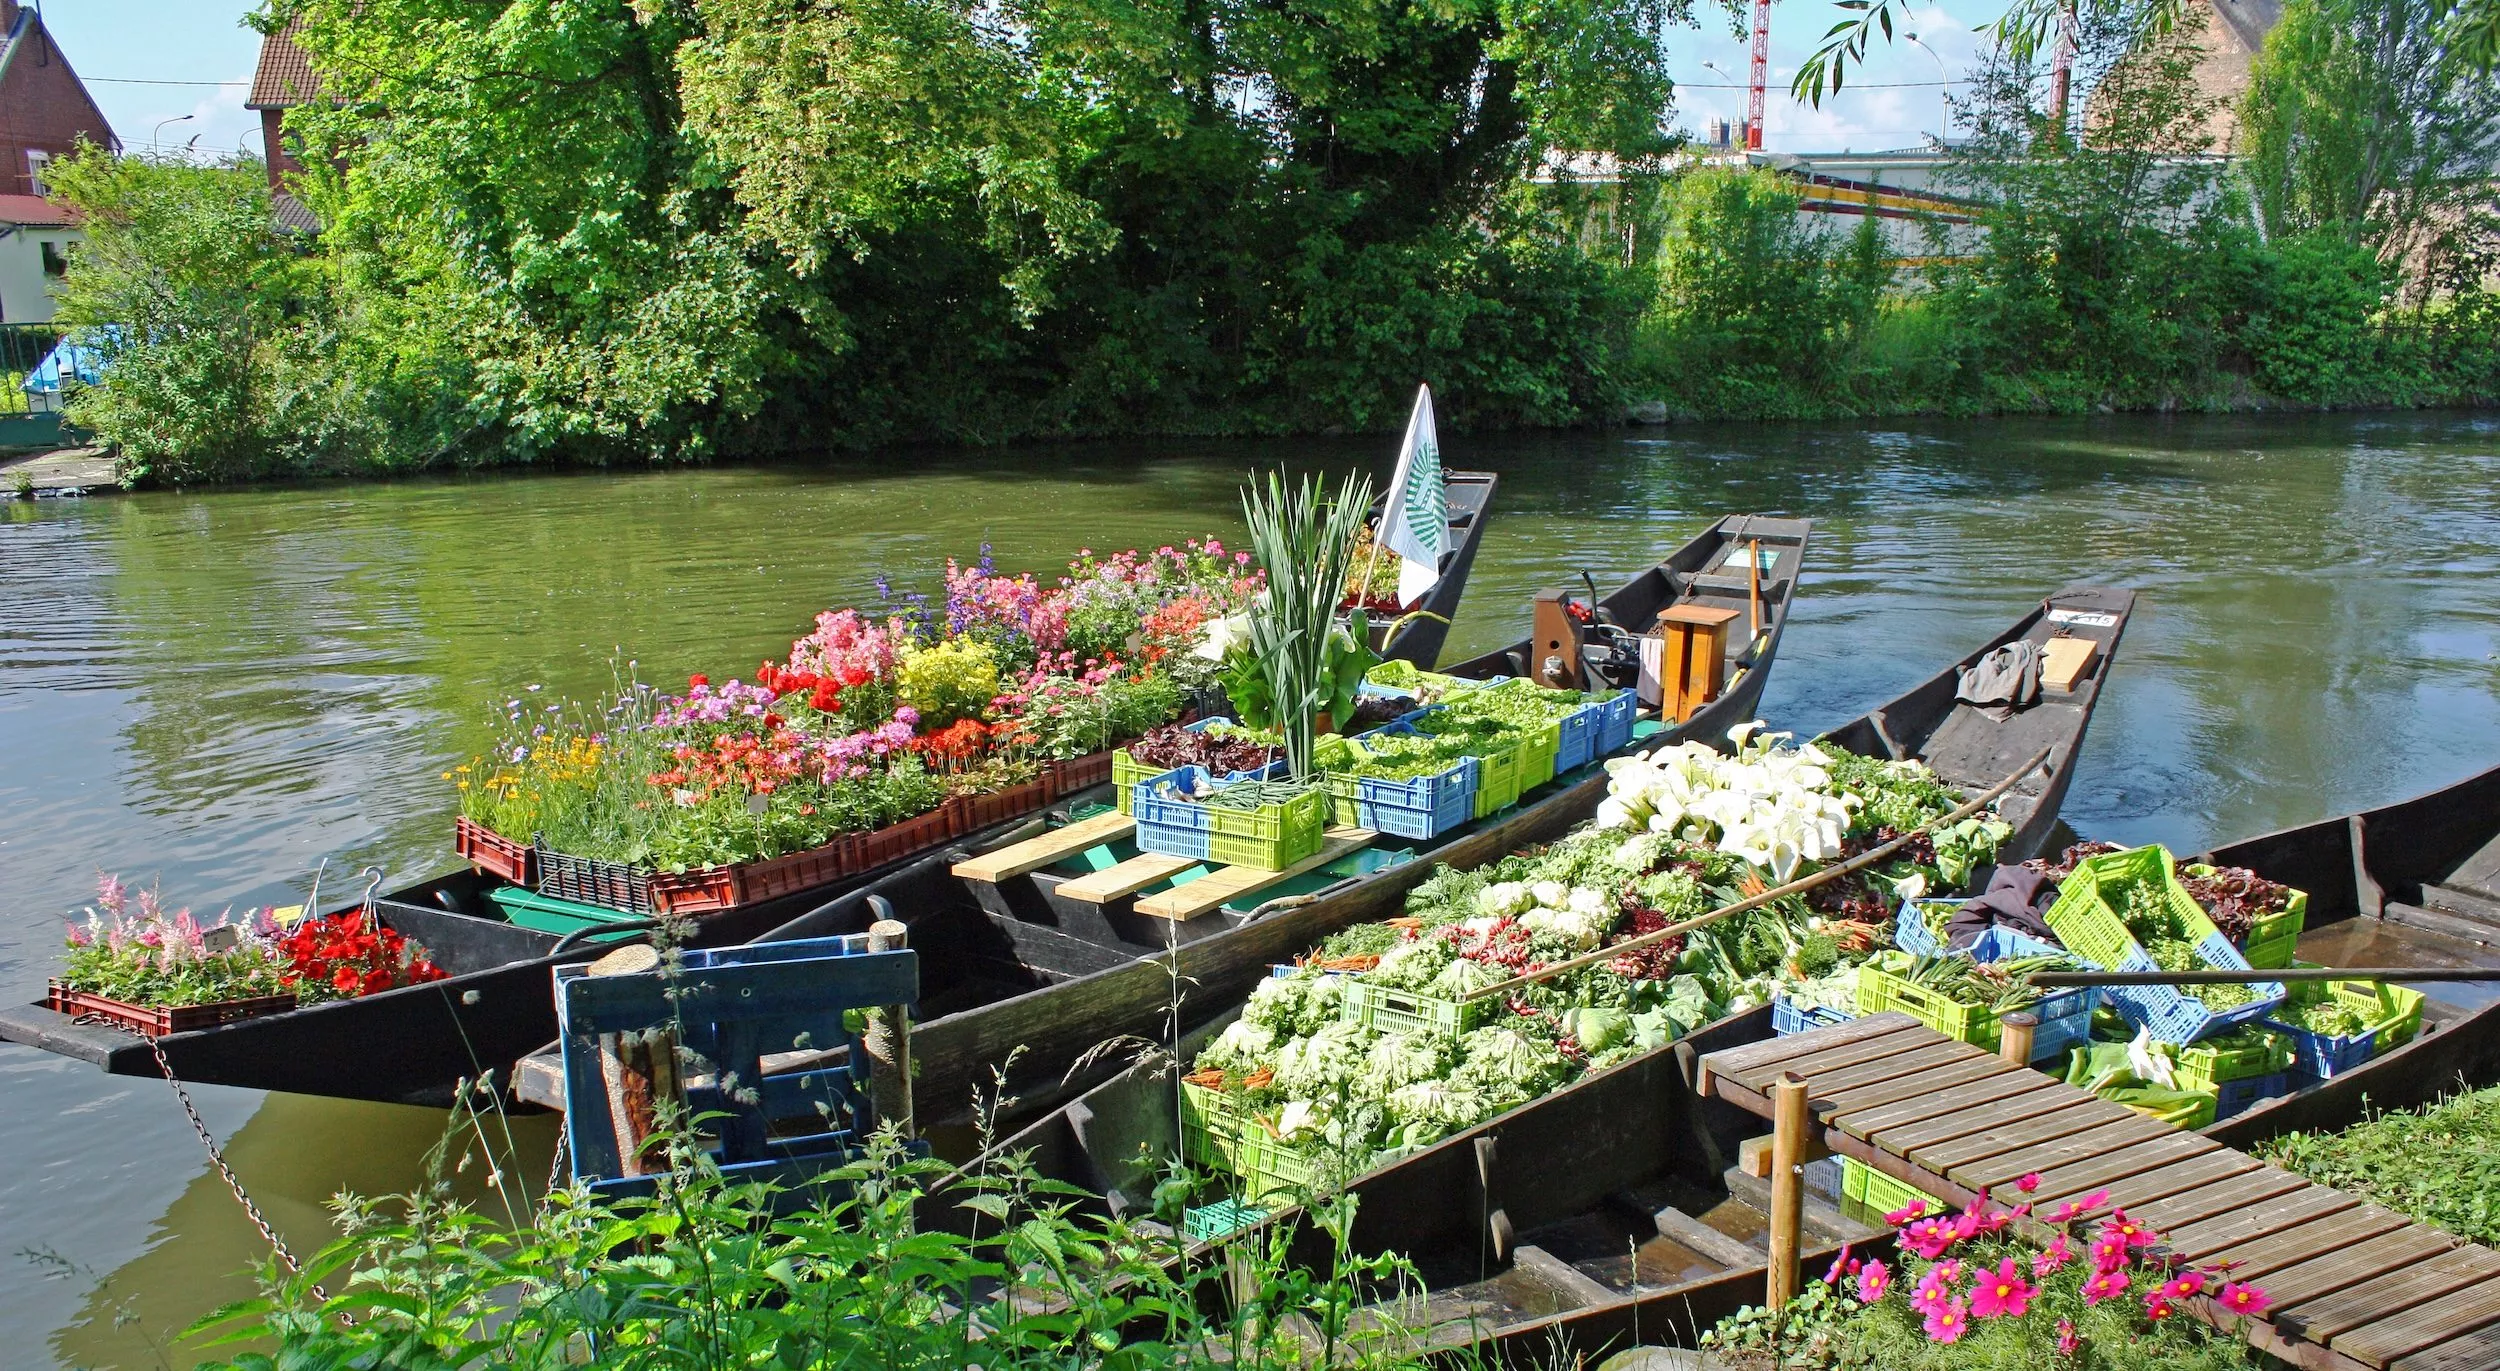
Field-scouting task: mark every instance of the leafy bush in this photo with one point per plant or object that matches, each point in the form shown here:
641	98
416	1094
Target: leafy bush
2440	1166
2315	337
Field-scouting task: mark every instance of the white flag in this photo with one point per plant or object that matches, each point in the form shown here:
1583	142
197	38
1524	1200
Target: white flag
1415	523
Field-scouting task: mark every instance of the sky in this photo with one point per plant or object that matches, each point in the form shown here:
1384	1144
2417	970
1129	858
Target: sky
120	45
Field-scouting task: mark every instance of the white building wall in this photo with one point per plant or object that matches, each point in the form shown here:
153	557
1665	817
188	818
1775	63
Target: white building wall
26	293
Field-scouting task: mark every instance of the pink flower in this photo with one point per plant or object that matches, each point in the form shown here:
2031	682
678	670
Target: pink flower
1873	1281
1842	1265
2076	1208
2157	1305
2029	1182
2002	1293
2056	1258
1949	1323
1929	1238
2185	1285
2109	1251
2107	1283
2067	1342
2136	1234
1934	1291
2242	1298
1913	1210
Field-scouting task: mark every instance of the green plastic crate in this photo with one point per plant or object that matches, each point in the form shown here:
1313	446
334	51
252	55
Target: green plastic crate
1271	837
1270	1167
1212	1125
1863	1184
1497	781
1405	1011
1978	1025
1536	754
2205	1066
2392	1015
2088	920
2273	938
1220	1220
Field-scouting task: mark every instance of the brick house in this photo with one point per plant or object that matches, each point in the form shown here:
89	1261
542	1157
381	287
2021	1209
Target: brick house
283	79
44	112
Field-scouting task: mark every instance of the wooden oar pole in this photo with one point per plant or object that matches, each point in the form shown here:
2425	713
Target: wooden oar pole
1753	600
1788	1188
1798	886
2230	976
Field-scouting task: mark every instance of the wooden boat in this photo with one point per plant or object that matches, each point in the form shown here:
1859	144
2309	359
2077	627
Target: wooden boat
1031	973
1609	1207
2411	884
413	1046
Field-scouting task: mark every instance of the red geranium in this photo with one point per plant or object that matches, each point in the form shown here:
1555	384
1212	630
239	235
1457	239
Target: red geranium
347	955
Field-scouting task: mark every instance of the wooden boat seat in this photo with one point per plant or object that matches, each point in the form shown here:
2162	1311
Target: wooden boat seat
1224	884
1018	859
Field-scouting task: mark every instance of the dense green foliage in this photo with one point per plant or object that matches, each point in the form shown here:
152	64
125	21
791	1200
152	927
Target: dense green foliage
2440	1166
595	230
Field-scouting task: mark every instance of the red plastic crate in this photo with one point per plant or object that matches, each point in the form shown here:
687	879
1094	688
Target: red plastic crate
491	852
154	1021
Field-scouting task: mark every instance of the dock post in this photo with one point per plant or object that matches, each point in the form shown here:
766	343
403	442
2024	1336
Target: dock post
888	1041
1788	1188
2016	1032
639	1070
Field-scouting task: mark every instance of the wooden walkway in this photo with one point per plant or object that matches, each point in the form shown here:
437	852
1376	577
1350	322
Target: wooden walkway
2353	1285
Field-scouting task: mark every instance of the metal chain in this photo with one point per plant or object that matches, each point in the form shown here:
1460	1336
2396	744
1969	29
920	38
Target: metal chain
556	1167
209	1141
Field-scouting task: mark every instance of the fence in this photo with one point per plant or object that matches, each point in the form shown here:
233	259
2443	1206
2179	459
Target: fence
23	348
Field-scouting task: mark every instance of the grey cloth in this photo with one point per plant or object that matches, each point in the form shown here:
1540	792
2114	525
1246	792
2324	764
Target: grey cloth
2012	896
2003	681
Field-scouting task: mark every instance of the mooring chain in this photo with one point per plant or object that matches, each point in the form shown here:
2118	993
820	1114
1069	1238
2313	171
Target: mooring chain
555	1168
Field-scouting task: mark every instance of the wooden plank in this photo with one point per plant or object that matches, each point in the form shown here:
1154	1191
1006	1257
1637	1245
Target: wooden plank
1017	859
1561	1277
1127	878
2193	1242
1883	1093
2030	1145
2174	1181
2005	1082
2261	1257
1832	1083
2475	1351
1807	1058
2328	1267
2321	1318
2078	1178
1733	1060
2004	1111
2452	1315
2216	1198
1227	883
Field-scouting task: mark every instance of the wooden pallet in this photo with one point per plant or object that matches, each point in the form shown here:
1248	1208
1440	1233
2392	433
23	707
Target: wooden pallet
2353	1285
1018	859
1228	883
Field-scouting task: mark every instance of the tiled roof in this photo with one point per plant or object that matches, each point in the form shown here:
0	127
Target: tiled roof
285	76
34	210
292	214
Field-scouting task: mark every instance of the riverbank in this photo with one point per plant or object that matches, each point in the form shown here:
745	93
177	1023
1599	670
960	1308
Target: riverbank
69	471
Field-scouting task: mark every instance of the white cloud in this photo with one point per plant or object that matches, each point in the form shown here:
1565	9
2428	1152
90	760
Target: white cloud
1874	111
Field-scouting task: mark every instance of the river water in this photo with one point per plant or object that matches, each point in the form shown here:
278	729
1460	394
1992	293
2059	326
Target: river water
218	691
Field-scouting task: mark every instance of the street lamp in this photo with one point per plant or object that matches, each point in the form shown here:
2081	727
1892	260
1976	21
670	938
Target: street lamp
1944	108
1731	80
157	139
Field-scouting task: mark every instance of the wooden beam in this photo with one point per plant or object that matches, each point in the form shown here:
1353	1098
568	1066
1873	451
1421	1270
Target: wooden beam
1227	883
1127	878
1017	859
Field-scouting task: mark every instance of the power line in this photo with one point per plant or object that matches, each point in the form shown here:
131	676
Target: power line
1854	85
150	81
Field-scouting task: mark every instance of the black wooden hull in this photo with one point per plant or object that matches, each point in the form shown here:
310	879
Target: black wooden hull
1061	979
2413	884
1470	506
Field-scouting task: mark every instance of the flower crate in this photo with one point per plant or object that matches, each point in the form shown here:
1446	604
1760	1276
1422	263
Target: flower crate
491	852
1271	837
2393	1015
976	812
1406	1011
1076	774
710	889
1425	807
872	850
1127	771
2233	1098
2065	1017
2087	919
1789	1018
589	880
155	1021
2206	1066
1863	1184
2274	938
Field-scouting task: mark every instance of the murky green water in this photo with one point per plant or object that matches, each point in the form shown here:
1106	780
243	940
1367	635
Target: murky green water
221	690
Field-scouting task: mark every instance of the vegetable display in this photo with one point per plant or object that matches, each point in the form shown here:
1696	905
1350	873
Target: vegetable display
1221	748
2164	936
1349	1059
2235	898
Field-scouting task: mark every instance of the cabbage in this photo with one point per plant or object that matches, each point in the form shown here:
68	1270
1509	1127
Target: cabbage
1461	978
1510	1065
1333	1059
1240	1049
1401	1059
1599	1029
1291	1006
1412	965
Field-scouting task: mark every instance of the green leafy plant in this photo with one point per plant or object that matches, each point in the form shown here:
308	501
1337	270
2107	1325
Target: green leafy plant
1304	540
2439	1165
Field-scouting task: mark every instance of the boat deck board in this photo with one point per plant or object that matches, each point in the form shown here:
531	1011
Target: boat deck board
1018	859
1125	878
2352	1285
1227	883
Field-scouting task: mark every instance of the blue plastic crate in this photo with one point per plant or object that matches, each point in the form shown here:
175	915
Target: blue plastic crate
1127	772
1787	1018
1425	807
2065	1016
1909	929
1614	723
2320	1057
2237	1097
1576	746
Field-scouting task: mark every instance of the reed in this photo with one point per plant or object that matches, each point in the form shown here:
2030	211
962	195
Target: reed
1306	541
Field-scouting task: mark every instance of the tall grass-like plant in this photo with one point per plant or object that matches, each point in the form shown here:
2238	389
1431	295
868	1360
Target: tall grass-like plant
1305	541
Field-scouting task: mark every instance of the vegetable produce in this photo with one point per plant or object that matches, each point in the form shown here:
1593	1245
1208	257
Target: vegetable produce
2163	934
1998	986
1221	748
1396	757
2326	1016
2235	898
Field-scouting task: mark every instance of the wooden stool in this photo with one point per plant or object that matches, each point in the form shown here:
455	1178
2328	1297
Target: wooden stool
1684	659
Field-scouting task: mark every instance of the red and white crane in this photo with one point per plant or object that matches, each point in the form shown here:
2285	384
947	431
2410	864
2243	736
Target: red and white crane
1756	94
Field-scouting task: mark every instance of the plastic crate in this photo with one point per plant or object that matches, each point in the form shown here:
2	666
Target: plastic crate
155	1021
1211	1126
1127	771
1614	722
1863	1184
1575	737
2232	1098
1271	837
2087	919
2065	1017
2273	939
1405	1011
1909	928
491	852
1497	780
1788	1018
2394	1015
2204	1066
588	880
524	908
1269	1166
2195	1112
1536	755
1220	1220
1425	807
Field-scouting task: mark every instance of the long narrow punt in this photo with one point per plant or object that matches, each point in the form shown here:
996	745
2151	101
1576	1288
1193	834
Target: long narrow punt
1053	974
2354	1287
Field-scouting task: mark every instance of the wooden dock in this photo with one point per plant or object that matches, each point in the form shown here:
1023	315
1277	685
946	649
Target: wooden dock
2353	1285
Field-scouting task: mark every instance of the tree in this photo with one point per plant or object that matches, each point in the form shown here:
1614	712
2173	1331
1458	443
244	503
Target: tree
2359	120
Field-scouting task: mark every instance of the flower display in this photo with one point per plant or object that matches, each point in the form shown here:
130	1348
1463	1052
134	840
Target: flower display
132	950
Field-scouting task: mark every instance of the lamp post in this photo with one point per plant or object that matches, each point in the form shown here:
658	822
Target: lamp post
157	139
1731	80
1944	110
